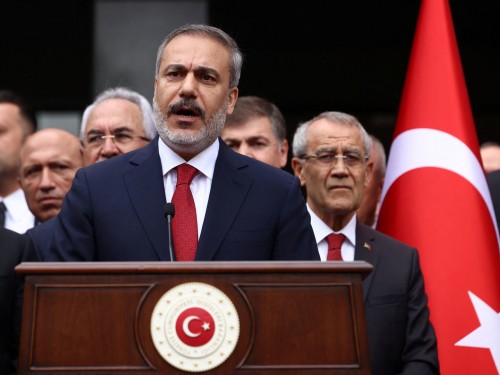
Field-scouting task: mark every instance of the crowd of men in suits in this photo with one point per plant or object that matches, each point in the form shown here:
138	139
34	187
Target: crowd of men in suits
100	197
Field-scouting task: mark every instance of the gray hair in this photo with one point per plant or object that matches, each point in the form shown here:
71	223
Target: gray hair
250	107
300	137
126	94
236	56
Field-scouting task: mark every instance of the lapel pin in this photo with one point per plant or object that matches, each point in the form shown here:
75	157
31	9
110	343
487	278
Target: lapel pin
367	246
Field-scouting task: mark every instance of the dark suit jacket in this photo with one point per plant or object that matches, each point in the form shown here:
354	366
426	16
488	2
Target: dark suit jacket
493	179
400	337
114	212
14	249
41	235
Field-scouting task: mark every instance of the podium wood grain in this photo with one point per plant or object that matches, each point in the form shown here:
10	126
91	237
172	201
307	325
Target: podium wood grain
94	318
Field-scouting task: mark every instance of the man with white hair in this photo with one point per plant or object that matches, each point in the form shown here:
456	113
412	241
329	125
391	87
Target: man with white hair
332	160
118	121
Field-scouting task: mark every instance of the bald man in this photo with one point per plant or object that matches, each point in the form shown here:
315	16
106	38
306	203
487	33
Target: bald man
48	162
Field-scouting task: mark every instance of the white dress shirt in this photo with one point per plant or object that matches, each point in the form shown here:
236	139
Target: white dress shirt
18	216
202	182
321	231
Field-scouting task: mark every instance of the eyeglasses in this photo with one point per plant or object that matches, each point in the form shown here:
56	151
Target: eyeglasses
330	159
119	139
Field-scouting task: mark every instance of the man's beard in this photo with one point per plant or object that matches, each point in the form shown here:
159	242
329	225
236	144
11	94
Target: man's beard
183	141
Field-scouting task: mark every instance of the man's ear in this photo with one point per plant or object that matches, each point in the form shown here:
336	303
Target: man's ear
368	174
232	98
284	153
298	169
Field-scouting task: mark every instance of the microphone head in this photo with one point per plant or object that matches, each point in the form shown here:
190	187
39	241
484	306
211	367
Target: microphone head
169	210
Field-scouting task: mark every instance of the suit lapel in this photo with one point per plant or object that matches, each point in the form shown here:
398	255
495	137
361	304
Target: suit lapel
366	249
229	176
144	183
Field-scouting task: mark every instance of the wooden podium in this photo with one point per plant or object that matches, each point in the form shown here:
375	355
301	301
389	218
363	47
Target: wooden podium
97	318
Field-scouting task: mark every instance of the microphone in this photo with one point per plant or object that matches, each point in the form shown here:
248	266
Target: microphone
169	212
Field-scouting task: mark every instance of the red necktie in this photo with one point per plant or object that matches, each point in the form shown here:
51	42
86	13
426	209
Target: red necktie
184	224
334	245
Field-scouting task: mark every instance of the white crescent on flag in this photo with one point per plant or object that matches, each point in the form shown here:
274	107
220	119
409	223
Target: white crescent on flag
420	148
436	198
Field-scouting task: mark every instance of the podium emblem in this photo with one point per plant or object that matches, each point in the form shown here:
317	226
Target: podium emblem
195	327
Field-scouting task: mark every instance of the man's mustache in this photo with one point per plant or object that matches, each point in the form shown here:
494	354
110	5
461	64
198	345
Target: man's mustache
186	104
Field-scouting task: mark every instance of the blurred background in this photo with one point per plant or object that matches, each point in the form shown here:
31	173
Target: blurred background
349	56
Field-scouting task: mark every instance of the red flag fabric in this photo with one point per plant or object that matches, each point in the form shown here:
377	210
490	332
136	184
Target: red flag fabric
436	199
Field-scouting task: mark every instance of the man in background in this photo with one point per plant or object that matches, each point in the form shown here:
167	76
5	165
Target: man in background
370	203
118	121
490	156
47	165
257	129
493	180
17	121
331	158
14	249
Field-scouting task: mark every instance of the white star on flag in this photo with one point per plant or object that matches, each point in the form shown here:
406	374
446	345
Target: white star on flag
436	198
487	335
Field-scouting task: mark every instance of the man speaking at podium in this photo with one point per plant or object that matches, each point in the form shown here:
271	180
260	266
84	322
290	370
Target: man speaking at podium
227	206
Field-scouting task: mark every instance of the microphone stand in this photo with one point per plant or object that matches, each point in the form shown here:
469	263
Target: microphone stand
169	212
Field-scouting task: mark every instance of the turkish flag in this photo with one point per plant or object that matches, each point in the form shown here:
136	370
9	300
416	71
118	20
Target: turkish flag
436	199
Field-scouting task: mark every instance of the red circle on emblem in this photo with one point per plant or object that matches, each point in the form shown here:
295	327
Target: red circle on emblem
195	326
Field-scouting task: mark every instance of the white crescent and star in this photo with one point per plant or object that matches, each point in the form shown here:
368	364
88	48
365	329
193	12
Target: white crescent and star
421	148
187	331
195	348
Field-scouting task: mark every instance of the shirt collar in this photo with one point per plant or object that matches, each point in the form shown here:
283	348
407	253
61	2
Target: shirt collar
204	161
321	230
16	204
